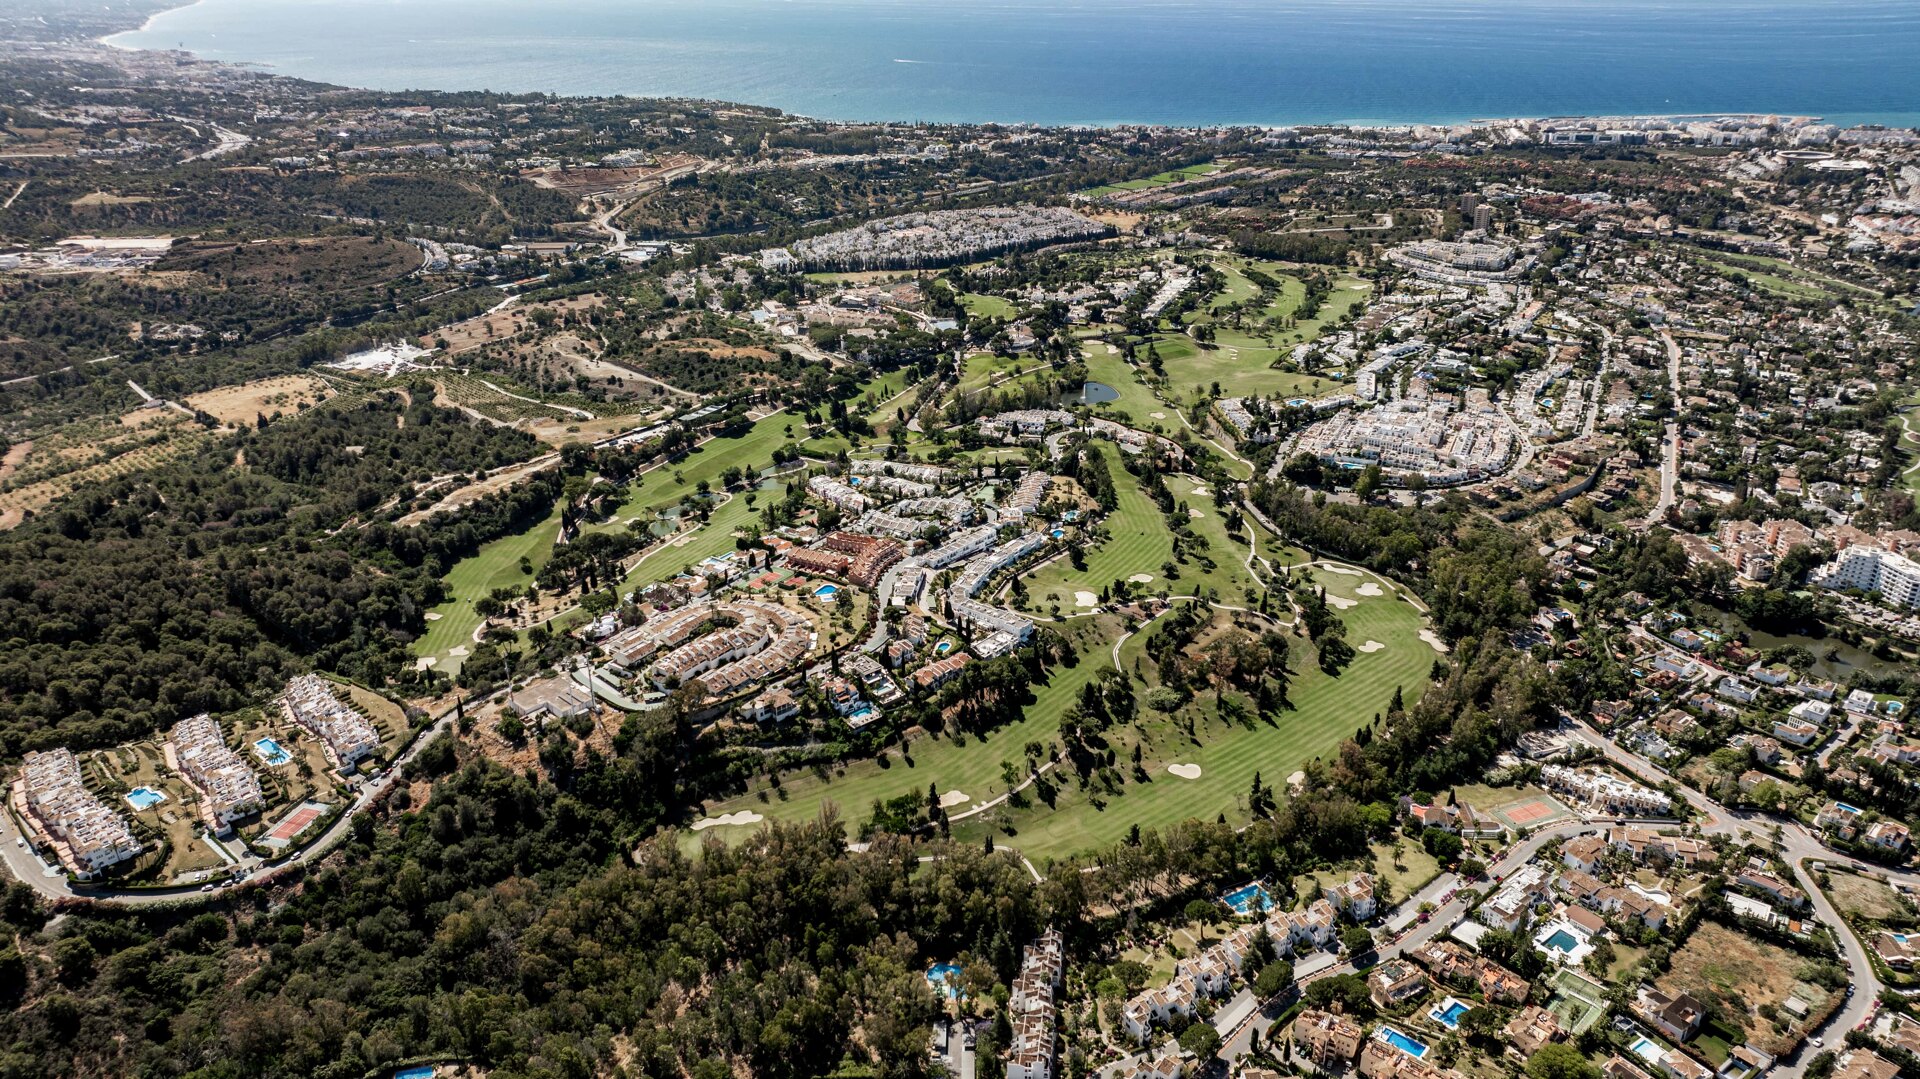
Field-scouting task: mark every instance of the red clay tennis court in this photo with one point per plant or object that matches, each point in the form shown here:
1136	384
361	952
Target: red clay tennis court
295	823
1531	810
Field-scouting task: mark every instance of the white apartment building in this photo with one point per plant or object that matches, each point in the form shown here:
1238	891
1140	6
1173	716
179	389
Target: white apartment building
958	546
1034	1012
1602	791
1870	569
837	494
229	790
311	702
86	836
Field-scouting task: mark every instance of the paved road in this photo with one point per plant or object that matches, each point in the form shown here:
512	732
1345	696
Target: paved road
1797	846
34	872
1408	931
1670	455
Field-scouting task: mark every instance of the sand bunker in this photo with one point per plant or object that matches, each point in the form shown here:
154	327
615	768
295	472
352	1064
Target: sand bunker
1341	603
1368	589
1371	646
1428	636
953	798
1191	512
1297	781
457	650
744	816
1185	771
1085	599
1141	578
424	662
433	616
1158	415
1343	571
1201	491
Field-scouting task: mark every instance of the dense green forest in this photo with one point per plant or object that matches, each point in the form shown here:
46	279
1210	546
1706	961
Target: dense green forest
202	584
512	921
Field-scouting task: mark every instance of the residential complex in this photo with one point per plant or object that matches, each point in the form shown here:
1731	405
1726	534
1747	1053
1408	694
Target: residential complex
83	834
1032	1006
310	702
229	789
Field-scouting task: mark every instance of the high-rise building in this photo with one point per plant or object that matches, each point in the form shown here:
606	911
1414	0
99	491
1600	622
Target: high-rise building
1469	202
1483	217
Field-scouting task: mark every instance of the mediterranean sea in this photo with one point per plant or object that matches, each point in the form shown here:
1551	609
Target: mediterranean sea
1183	62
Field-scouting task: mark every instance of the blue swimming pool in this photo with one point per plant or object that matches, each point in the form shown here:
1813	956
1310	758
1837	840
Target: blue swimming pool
1645	1048
1413	1047
1561	941
1249	899
1071	515
1448	1013
943	648
271	751
144	797
425	1071
945	978
826	591
1059	533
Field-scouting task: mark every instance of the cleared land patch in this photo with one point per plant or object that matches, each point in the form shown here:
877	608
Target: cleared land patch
240	405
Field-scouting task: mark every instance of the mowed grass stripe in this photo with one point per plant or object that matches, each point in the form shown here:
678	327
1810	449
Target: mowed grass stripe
1137	542
1326	710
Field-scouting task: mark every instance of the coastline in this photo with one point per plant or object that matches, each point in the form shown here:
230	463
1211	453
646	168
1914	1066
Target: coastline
146	26
115	42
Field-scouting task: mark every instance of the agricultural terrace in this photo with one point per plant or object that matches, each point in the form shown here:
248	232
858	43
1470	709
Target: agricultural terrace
36	473
1221	755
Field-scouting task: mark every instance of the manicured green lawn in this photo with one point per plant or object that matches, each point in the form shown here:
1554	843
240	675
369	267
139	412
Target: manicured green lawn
971	767
496	565
1229	577
668	484
981	368
982	306
1136	399
1348	292
1326	710
1137	542
1170	177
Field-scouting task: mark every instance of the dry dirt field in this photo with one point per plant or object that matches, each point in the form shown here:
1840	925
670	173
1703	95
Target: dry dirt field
1867	898
1742	972
236	406
504	323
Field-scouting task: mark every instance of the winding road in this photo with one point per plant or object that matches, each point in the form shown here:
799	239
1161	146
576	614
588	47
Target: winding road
54	885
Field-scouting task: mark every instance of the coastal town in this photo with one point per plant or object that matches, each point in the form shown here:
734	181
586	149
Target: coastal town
530	585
